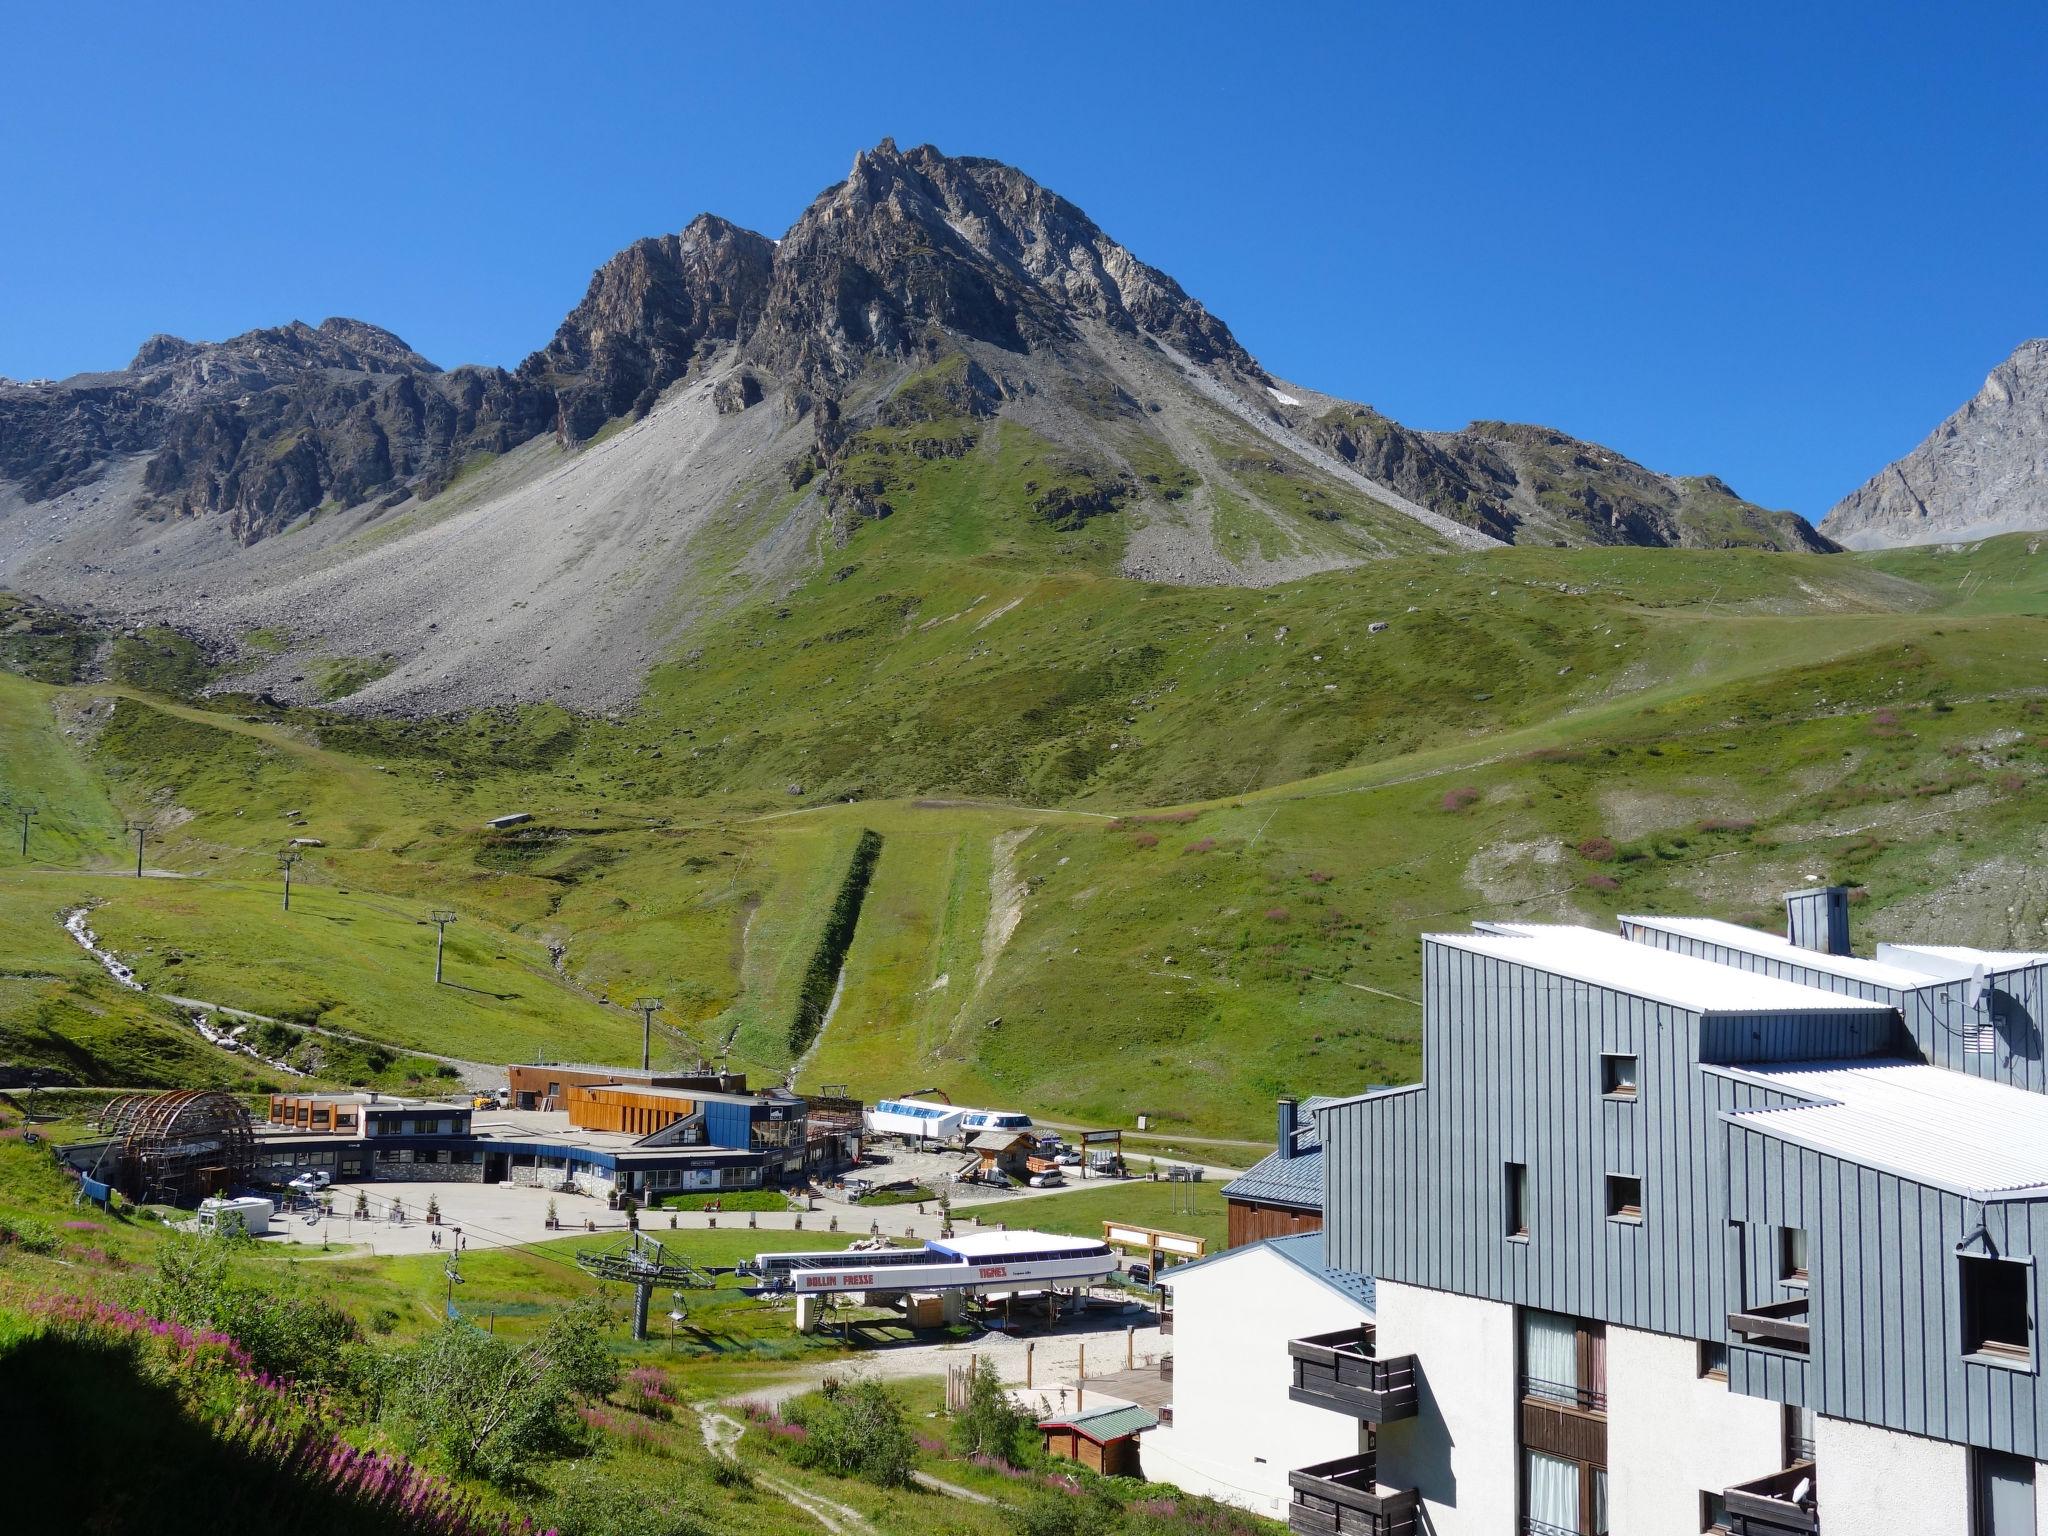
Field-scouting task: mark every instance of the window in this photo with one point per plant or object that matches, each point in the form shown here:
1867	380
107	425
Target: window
1713	1512
1564	1360
1618	1076
2001	1495
1624	1197
1798	1434
1518	1199
1792	1255
1562	1496
1996	1320
1713	1360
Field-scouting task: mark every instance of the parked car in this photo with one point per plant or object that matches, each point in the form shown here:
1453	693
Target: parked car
1047	1180
1068	1159
1138	1274
312	1181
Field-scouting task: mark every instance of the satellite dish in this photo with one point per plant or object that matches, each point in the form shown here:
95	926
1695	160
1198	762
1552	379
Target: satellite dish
1980	984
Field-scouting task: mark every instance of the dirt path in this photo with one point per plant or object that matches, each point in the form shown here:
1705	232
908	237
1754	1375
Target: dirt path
722	1437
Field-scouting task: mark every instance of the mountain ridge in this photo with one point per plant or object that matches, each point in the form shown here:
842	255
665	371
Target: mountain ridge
923	308
1983	471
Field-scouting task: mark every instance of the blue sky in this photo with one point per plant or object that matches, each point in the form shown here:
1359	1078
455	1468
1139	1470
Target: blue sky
1773	243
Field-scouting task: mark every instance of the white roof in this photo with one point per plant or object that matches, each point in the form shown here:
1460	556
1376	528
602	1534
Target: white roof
1607	960
1933	1126
1771	946
1949	960
994	1245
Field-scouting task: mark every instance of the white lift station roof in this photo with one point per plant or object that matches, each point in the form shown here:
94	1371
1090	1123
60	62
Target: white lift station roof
1969	1135
1771	946
1608	960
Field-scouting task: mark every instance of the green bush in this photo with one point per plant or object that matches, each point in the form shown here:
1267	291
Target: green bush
28	1234
199	1283
489	1407
854	1429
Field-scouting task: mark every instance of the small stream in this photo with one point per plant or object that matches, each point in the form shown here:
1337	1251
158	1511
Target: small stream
200	1018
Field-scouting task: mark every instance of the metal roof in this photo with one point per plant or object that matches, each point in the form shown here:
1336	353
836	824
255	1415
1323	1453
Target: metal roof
1963	956
1771	946
997	1141
1277	1180
1947	1129
1304	1250
1608	960
1294	1181
1106	1424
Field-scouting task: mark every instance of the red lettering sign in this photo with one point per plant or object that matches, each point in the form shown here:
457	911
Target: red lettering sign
993	1271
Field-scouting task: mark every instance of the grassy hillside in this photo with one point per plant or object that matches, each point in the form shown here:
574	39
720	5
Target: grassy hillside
1143	848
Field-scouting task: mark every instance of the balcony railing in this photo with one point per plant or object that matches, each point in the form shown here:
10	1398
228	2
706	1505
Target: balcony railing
1344	1498
1778	1324
1564	1394
1786	1503
1340	1371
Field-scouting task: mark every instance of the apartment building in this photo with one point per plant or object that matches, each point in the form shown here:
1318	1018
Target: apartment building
1693	1228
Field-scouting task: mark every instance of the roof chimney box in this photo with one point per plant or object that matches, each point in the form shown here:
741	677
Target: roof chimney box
1818	919
1283	1131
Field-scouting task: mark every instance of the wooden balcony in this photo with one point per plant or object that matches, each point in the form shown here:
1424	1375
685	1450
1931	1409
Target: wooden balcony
1344	1498
1766	1507
1776	1324
1341	1372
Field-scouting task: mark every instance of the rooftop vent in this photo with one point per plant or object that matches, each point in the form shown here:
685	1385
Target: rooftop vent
1818	919
1283	1131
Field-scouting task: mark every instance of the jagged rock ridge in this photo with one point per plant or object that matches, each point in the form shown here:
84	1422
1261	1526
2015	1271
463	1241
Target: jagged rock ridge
1983	471
759	404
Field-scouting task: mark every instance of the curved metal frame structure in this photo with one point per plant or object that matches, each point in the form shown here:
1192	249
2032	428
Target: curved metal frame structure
177	1145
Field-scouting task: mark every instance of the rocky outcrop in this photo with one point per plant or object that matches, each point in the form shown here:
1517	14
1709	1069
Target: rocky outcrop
651	312
918	245
1528	484
1983	471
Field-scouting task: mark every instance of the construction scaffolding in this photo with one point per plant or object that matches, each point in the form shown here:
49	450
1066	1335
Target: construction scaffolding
174	1147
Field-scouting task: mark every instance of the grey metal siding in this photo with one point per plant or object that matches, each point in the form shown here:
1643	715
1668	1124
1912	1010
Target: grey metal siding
1937	1017
1885	1315
1416	1180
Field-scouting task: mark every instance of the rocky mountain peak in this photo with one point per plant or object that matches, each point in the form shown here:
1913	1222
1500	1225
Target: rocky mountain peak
649	314
918	239
1981	472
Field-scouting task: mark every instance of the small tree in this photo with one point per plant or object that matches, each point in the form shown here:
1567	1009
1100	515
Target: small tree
988	1423
363	1203
434	1209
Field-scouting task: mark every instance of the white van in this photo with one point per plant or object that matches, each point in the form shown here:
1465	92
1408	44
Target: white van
250	1214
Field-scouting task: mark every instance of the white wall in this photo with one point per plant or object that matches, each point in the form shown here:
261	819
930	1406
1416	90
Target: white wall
1672	1435
1459	1451
1235	1434
1878	1482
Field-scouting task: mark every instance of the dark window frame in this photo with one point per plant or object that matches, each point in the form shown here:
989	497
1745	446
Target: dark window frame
1612	1085
1789	1272
1703	1366
1987	1339
1619	1206
1515	1198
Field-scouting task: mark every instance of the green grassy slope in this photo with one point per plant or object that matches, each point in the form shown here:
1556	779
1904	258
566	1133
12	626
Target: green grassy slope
1144	849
